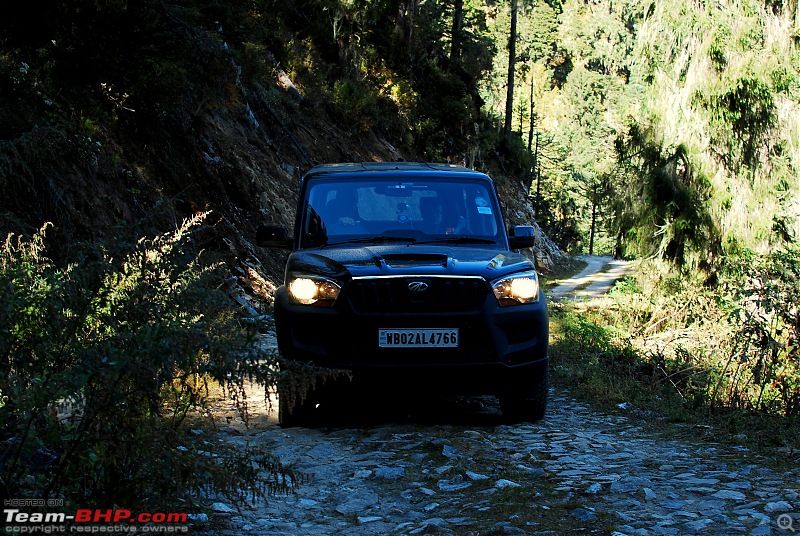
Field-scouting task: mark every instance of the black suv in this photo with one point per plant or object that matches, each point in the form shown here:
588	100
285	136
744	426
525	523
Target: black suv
404	275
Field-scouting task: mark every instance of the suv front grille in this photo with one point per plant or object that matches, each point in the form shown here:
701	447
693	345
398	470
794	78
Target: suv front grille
410	294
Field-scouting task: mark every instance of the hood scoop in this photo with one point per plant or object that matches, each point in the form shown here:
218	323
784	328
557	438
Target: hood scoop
405	260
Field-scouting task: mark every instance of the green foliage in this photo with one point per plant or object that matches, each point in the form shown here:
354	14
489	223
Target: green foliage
717	50
660	204
762	371
744	116
716	85
730	113
598	360
586	335
367	63
356	105
102	360
573	71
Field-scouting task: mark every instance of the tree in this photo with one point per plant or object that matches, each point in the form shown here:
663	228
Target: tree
661	202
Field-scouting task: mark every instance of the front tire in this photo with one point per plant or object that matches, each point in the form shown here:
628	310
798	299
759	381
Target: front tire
529	405
294	411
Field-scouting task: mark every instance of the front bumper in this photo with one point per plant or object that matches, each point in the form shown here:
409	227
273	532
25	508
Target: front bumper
499	348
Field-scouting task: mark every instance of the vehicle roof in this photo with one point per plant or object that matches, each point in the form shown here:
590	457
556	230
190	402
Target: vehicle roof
346	168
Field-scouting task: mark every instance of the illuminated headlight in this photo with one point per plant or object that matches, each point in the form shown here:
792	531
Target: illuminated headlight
318	291
517	289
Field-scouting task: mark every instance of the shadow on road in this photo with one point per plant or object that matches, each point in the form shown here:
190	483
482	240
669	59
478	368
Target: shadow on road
374	411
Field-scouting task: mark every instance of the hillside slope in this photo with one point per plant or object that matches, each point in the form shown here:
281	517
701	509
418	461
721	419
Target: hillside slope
163	124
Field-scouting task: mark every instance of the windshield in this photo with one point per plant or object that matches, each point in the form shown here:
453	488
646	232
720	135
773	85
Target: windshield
355	210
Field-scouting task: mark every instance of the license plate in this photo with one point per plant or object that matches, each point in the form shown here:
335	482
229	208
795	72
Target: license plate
418	338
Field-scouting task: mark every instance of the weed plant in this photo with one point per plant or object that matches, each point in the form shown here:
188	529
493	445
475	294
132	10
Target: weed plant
102	360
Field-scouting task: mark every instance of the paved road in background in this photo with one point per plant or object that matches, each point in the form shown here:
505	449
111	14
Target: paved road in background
599	275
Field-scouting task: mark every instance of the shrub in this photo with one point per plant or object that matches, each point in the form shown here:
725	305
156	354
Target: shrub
356	104
762	371
596	359
101	361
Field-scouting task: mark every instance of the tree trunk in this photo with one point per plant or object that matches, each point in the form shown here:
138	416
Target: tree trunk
533	117
404	21
531	129
512	60
594	217
458	25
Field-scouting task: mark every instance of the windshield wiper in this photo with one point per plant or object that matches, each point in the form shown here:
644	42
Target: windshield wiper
459	240
374	240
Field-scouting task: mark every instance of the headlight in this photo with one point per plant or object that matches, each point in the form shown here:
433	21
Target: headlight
517	289
313	290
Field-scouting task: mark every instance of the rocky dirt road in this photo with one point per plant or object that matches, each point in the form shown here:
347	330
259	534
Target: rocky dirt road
457	470
452	467
600	274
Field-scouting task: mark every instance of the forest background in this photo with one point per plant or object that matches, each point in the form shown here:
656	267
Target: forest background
664	132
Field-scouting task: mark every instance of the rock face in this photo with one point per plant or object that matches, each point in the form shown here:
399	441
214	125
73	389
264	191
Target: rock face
451	468
519	211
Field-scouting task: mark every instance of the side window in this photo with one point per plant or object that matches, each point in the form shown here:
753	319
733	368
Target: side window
314	231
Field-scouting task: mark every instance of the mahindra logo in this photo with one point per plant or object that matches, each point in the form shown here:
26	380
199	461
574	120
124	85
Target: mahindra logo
418	286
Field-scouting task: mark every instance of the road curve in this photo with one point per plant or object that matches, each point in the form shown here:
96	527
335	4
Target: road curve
600	274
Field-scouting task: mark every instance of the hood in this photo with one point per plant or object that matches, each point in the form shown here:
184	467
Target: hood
342	263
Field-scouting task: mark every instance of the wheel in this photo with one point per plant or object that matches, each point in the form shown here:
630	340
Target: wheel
529	405
292	411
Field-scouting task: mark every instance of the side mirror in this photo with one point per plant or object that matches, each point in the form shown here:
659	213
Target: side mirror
273	236
521	236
